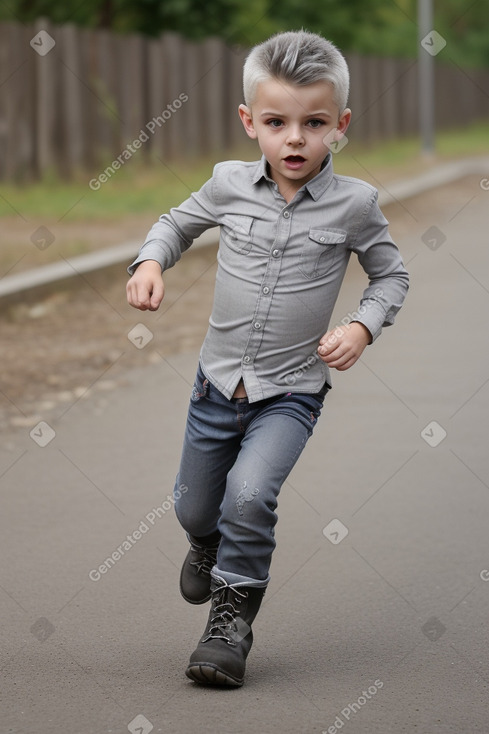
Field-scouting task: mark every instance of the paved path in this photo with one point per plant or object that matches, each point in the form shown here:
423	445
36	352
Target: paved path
382	631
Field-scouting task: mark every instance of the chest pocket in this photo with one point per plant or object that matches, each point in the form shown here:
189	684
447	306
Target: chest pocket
320	251
236	233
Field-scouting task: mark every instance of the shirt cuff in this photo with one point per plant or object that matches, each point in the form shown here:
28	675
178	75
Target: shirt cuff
151	251
372	317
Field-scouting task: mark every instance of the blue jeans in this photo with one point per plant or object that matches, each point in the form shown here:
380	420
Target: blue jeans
235	458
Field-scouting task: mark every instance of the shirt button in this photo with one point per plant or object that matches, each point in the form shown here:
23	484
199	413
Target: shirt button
276	253
257	325
322	239
247	359
266	290
286	214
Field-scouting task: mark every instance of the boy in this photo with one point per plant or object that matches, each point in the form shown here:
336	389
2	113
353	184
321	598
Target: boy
288	227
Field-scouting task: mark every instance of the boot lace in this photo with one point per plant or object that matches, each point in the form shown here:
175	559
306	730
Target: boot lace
225	623
205	559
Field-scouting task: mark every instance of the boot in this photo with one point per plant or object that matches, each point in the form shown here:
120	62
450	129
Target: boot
220	656
195	577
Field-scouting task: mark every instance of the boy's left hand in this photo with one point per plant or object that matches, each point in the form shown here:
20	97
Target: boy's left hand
341	347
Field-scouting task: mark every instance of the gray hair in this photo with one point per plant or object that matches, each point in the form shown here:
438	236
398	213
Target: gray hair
296	57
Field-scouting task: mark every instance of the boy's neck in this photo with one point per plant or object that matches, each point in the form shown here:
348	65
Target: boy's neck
288	189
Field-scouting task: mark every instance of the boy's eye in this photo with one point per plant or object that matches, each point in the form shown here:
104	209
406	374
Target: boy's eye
316	123
274	123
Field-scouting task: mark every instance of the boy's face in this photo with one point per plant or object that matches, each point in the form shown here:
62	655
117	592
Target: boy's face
294	126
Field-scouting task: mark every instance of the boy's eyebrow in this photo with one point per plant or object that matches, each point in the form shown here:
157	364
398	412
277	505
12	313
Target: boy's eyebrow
267	113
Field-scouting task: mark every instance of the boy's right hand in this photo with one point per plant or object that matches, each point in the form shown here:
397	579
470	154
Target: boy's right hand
145	289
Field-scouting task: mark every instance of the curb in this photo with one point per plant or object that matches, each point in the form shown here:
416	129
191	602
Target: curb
398	190
441	175
91	262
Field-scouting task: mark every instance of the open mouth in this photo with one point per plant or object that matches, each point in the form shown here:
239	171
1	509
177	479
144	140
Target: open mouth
294	161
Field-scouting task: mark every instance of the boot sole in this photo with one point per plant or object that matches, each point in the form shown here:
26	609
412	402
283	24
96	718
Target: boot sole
208	674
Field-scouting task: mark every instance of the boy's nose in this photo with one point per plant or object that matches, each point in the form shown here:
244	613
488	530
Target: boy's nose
295	137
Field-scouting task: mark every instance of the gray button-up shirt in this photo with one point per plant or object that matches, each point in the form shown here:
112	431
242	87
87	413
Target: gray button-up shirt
280	268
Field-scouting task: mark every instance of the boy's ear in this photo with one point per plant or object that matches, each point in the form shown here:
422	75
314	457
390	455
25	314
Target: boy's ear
247	120
344	121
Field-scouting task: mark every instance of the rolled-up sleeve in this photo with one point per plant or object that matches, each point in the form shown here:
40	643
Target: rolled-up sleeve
175	231
382	262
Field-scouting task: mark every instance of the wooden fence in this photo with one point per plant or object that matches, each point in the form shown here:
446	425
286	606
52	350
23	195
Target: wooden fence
73	99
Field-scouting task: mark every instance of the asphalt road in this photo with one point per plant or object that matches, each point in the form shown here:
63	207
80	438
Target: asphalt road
376	617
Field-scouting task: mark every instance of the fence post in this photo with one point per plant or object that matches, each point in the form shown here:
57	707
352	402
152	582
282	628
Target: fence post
108	137
46	88
193	121
72	128
408	99
214	98
131	85
236	135
388	103
15	101
356	101
158	97
173	131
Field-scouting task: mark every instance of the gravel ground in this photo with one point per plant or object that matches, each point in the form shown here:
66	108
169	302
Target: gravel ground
64	344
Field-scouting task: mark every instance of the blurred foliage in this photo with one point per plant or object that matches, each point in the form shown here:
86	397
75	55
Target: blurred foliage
381	27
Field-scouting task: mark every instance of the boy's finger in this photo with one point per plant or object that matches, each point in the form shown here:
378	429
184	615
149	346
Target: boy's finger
336	358
328	347
156	296
142	298
330	340
132	297
347	364
325	338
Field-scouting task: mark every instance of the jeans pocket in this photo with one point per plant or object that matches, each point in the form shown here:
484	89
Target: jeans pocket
305	407
313	403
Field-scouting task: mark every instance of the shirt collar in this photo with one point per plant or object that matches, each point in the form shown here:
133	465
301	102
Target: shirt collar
316	186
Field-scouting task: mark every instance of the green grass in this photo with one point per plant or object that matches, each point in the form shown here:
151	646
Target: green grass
131	190
135	189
